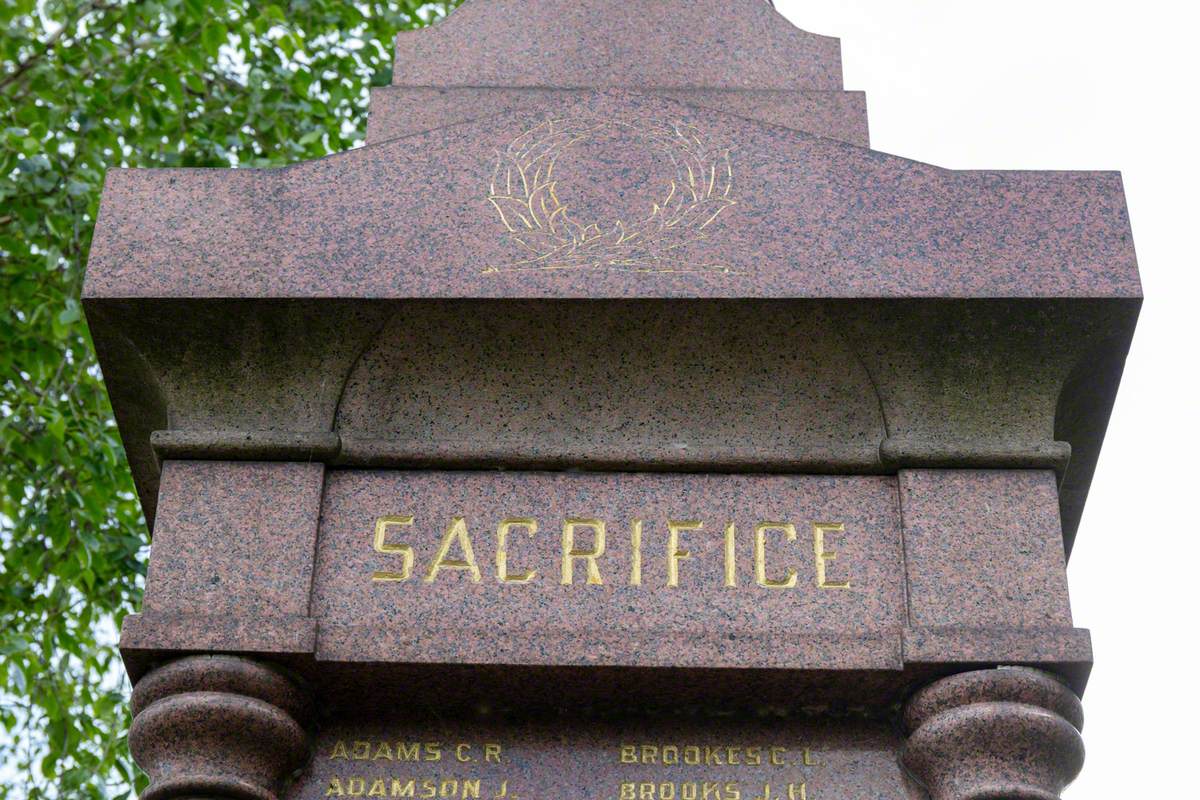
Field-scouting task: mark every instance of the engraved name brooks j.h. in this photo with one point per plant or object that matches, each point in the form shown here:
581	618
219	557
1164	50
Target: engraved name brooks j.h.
524	190
582	556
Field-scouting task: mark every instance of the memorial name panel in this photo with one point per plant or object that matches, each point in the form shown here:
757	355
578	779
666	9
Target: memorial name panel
713	759
623	559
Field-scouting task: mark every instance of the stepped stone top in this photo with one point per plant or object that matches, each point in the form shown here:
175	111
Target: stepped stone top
731	44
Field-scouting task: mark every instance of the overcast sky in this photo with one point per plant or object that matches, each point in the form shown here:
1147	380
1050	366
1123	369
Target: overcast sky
1065	84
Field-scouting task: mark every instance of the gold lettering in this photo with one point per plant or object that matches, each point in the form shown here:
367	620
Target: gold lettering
674	553
449	788
491	753
407	751
760	555
570	552
824	556
628	791
339	750
428	788
384	750
629	754
335	788
361	751
754	756
356	787
777	756
408	789
670	754
502	575
433	751
381	546
456	531
378	788
635	559
462	753
470	788
649	754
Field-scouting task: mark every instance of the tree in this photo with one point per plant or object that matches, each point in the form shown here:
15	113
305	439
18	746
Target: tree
84	87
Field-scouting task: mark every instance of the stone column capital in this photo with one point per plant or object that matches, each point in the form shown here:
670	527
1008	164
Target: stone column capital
218	726
1010	732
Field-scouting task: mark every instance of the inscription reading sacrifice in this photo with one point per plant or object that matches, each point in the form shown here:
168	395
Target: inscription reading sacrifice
584	543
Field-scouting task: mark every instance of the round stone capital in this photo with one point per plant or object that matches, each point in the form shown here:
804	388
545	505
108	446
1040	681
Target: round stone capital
1007	733
218	726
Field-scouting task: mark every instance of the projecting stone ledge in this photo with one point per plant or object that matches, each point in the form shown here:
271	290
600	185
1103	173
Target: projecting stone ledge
614	196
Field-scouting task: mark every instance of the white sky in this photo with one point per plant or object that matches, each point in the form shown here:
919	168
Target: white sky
1067	84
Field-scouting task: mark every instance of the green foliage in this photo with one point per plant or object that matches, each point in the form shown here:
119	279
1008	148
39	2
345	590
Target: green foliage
85	86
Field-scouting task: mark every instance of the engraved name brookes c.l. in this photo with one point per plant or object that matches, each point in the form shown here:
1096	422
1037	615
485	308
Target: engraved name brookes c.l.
583	552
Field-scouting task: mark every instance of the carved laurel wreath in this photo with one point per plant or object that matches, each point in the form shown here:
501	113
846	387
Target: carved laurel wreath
523	192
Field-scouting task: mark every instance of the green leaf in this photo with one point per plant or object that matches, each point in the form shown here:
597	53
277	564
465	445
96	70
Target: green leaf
149	84
213	36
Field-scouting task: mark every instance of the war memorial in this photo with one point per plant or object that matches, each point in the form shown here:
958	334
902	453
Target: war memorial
614	425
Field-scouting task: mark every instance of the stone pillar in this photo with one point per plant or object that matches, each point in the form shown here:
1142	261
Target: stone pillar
1010	733
218	727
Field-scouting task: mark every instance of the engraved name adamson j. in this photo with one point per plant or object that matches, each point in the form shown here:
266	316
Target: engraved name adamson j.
582	556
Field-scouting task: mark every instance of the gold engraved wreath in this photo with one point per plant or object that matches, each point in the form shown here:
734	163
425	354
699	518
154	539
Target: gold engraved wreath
523	191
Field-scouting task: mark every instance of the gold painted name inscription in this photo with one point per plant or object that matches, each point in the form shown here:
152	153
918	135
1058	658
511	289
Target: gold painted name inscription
582	554
466	770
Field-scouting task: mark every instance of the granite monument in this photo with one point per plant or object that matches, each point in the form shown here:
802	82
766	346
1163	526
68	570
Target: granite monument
614	425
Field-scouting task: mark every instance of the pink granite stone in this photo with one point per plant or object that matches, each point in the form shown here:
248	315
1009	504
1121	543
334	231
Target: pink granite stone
234	538
983	548
461	615
743	44
403	111
792	215
576	758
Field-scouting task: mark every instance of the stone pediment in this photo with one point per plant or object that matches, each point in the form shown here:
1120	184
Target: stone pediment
614	195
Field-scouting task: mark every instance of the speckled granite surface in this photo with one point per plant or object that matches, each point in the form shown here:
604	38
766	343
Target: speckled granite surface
634	616
787	759
789	215
611	261
738	44
398	111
